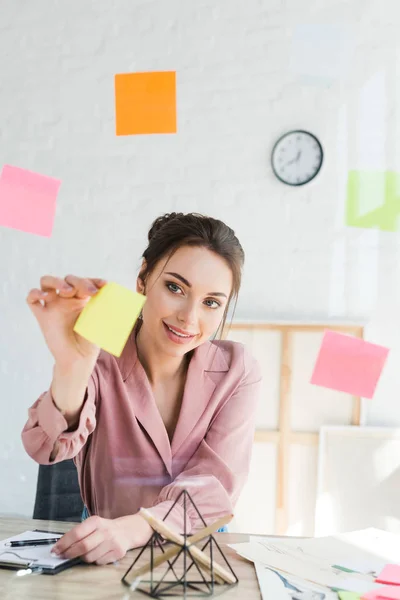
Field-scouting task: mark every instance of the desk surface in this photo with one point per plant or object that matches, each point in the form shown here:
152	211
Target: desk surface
87	582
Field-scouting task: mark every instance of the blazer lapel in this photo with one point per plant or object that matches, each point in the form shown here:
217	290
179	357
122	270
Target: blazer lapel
205	369
145	407
199	388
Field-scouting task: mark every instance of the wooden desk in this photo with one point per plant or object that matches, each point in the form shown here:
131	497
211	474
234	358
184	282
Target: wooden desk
91	582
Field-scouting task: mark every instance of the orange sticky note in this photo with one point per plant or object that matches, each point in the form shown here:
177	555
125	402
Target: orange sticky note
389	574
349	364
145	103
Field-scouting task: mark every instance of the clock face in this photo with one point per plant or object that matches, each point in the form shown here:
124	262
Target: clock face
297	157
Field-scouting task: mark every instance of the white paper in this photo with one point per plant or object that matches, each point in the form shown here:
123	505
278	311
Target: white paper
278	586
366	551
34	556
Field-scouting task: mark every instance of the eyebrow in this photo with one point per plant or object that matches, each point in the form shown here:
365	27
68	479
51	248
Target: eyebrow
189	285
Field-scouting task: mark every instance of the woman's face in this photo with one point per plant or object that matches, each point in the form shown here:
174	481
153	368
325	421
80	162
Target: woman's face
186	299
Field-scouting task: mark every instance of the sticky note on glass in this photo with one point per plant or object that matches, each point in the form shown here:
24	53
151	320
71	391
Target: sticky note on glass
109	316
349	364
389	574
373	200
348	596
145	103
27	200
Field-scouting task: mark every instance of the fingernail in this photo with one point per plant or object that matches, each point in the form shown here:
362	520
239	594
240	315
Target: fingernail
44	293
93	289
67	287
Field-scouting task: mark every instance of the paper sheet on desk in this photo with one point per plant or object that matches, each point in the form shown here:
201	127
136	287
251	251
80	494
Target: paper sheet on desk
366	550
36	556
290	557
278	586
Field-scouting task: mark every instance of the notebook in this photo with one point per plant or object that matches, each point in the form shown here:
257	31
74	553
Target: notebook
36	558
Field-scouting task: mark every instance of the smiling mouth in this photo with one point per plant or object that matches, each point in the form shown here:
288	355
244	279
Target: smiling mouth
178	333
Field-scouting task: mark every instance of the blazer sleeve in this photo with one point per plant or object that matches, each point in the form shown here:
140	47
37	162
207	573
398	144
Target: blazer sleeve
46	426
218	470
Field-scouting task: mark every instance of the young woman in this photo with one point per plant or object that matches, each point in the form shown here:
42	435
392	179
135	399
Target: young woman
175	411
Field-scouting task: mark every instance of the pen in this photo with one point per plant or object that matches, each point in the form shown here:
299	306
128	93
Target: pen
42	542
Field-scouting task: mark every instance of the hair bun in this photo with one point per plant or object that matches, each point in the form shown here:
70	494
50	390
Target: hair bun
159	223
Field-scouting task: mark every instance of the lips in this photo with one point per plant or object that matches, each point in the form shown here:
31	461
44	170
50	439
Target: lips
181	331
184	338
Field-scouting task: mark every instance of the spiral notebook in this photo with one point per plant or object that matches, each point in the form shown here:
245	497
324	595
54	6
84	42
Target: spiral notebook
36	558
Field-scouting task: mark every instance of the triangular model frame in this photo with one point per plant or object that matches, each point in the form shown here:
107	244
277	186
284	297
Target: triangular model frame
201	561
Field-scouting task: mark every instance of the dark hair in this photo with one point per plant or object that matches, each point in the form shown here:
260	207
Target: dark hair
174	230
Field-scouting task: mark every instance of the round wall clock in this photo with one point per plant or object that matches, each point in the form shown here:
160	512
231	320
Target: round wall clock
297	157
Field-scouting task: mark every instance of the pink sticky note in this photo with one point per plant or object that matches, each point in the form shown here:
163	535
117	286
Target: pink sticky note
349	364
386	592
389	574
27	200
372	595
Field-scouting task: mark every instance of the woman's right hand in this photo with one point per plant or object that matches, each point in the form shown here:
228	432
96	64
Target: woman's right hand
56	306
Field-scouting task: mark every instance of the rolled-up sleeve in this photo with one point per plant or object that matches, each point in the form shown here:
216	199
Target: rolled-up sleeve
218	470
46	426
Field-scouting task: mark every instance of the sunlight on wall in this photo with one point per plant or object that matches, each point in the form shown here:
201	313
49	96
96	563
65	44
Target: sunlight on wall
325	514
337	290
385	461
392	524
255	510
371	134
295	529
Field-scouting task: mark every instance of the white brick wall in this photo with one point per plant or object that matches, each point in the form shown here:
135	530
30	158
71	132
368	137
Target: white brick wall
237	91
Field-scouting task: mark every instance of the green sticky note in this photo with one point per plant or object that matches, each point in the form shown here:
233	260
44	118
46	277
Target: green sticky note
109	316
349	596
373	200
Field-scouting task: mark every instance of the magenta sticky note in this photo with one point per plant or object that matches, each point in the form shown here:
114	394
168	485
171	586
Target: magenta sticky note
389	574
27	200
349	364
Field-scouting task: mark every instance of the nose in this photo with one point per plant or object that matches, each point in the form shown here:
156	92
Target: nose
187	315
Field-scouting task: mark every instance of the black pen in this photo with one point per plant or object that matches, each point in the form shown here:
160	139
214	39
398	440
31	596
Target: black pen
42	542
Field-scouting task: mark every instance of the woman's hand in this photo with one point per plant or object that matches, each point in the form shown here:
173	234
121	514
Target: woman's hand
56	306
103	541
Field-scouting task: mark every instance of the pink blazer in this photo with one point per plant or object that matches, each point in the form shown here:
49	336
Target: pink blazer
121	448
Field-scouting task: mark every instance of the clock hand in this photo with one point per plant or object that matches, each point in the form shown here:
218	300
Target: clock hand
295	159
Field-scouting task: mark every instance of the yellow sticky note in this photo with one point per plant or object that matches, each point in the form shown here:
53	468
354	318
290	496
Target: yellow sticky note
109	316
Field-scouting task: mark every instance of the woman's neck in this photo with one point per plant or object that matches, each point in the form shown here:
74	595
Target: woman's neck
159	367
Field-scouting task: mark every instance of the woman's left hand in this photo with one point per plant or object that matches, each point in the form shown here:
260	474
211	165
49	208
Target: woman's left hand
103	541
